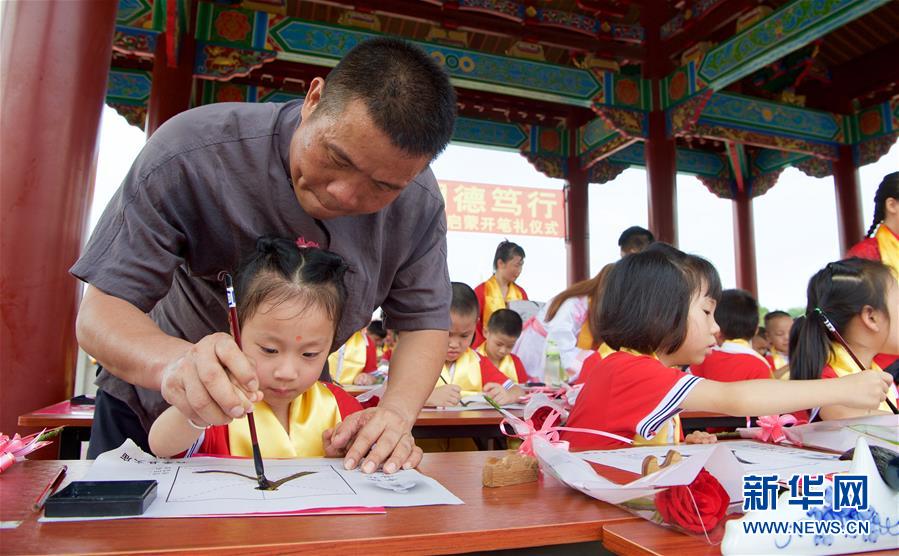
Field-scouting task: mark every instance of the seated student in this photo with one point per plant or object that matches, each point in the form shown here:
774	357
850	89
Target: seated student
760	342
658	311
567	322
501	288
777	328
289	300
378	336
466	373
500	336
634	239
389	345
734	359
355	362
861	299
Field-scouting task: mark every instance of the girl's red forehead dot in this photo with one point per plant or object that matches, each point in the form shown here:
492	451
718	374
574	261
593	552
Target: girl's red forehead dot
298	338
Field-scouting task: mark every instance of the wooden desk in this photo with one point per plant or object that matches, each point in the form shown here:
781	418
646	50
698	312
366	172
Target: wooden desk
642	538
354	390
518	516
76	419
481	424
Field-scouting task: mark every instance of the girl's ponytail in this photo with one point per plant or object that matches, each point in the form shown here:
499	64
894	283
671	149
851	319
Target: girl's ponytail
841	290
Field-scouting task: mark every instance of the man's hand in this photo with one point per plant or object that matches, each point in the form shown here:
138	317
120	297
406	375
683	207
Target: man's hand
381	430
445	396
213	383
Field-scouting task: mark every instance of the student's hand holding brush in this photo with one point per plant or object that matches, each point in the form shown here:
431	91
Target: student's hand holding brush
868	389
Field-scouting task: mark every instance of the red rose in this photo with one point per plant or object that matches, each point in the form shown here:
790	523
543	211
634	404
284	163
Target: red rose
539	417
678	507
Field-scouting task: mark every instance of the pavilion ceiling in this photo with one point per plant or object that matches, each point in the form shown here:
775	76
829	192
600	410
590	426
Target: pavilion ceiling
572	78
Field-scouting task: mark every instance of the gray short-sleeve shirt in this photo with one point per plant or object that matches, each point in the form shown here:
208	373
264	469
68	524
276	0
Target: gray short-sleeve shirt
210	182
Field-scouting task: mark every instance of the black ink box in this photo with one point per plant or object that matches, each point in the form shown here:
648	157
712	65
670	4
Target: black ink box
101	499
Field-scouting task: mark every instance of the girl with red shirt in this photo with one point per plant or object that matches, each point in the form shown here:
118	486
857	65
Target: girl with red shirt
658	312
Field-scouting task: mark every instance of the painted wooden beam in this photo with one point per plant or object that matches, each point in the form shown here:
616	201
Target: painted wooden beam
791	27
573	32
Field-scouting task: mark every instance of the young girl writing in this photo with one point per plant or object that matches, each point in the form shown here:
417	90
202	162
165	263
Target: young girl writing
658	311
289	301
861	299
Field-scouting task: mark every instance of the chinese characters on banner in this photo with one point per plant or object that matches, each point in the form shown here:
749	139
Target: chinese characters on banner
502	209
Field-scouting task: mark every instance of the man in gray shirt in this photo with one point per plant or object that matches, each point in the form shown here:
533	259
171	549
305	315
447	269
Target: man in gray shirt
348	169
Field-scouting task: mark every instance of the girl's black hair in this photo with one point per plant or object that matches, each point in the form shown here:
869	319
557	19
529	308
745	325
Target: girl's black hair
279	270
506	251
647	298
888	189
841	290
737	314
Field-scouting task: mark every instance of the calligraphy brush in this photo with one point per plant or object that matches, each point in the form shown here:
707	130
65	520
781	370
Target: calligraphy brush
839	338
251	421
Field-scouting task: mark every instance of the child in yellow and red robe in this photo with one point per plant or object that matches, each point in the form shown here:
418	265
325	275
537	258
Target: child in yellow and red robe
465	372
502	332
356	362
500	289
882	242
777	328
288	340
860	297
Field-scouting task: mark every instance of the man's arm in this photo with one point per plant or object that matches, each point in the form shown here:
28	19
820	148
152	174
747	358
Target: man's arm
125	340
192	377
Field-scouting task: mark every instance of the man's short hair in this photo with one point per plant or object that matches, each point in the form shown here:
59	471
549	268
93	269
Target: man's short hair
737	314
465	302
408	95
635	239
505	321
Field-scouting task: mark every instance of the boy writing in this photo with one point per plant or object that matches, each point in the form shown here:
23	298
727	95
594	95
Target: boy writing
465	372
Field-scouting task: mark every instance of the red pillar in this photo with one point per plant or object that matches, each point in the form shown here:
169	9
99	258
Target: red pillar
849	210
744	244
170	94
660	149
662	173
577	239
55	60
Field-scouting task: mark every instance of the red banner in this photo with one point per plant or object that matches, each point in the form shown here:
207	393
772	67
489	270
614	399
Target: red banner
503	209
